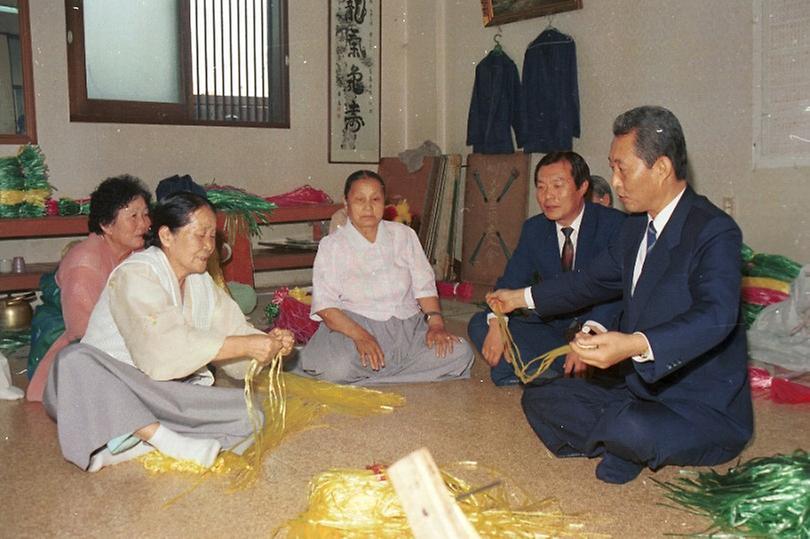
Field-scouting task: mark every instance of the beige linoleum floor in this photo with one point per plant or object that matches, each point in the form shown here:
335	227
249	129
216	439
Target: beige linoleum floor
41	495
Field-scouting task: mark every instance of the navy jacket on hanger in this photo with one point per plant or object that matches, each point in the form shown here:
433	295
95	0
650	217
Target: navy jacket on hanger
495	107
550	93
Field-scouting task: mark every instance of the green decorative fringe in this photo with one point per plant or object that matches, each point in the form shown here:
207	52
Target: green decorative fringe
9	211
11	341
763	497
253	208
32	164
11	177
271	312
777	267
31	210
750	312
68	206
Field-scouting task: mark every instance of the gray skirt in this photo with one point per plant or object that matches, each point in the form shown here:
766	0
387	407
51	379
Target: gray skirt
332	356
94	398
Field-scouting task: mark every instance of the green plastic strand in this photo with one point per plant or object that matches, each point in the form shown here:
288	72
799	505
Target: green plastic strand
255	209
777	267
32	164
763	497
11	341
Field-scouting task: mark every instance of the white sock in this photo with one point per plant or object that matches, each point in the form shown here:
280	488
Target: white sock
104	457
202	451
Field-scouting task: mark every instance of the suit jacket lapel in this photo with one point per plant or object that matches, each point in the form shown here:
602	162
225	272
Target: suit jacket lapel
549	253
658	260
585	238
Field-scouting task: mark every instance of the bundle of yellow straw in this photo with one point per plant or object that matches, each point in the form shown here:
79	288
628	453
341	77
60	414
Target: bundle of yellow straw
351	503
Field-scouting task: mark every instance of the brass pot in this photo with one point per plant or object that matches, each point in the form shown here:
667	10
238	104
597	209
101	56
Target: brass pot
16	312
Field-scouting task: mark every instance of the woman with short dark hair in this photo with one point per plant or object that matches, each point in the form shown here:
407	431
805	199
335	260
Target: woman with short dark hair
118	220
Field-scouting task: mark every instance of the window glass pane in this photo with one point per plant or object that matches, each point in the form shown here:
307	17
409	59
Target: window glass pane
7	119
237	59
132	50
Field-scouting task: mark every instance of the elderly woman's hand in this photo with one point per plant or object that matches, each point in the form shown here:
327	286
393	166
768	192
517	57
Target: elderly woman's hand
285	337
441	340
262	347
371	355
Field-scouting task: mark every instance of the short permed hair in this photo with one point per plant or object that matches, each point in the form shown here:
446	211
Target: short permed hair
110	196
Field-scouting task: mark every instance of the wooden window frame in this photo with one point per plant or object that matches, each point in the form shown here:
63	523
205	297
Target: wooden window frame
83	109
30	135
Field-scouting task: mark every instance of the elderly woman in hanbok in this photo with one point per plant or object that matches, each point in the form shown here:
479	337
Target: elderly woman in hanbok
139	380
118	221
374	292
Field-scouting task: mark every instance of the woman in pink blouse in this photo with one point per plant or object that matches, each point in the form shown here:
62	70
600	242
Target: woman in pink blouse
118	220
375	293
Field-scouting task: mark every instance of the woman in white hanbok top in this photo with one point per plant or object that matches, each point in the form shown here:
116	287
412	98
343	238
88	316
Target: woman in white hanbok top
139	379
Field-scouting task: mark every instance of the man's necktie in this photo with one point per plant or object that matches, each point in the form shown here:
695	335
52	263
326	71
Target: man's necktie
651	236
567	256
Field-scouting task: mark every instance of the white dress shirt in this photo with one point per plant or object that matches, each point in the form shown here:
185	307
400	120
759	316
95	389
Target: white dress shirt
575	224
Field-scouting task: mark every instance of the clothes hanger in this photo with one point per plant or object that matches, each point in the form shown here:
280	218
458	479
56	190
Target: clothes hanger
548	27
497	49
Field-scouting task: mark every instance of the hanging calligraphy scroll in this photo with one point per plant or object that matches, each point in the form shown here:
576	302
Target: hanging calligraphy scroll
354	81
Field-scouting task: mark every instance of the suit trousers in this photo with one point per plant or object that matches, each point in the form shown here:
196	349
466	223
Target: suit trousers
578	417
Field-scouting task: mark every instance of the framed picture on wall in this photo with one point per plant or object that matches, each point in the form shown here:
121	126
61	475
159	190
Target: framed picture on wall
354	81
504	11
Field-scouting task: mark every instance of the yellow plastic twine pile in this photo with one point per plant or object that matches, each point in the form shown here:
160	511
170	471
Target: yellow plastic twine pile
350	503
512	354
291	404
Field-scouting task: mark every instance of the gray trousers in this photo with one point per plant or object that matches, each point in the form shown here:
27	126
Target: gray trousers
332	356
94	398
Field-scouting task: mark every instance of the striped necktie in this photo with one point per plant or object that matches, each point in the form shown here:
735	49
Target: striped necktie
651	236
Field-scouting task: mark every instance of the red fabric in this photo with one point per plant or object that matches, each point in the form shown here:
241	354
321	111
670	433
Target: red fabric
300	196
779	390
390	213
759	378
294	315
449	289
762	296
240	267
786	392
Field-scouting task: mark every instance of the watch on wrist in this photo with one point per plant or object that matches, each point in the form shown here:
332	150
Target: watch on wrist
431	314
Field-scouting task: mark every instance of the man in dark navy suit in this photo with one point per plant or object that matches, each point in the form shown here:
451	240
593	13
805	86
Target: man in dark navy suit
676	265
562	183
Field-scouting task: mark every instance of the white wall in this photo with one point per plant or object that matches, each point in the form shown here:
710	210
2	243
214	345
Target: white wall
263	161
691	56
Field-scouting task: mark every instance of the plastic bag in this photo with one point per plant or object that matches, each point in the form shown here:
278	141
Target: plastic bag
294	315
48	323
780	334
300	196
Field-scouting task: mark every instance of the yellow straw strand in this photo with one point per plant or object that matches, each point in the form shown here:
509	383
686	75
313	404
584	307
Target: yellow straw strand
512	354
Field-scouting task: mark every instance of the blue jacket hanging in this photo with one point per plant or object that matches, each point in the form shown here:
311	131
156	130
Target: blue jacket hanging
550	93
495	107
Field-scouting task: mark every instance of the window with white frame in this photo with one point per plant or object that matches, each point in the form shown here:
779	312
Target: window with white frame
781	83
